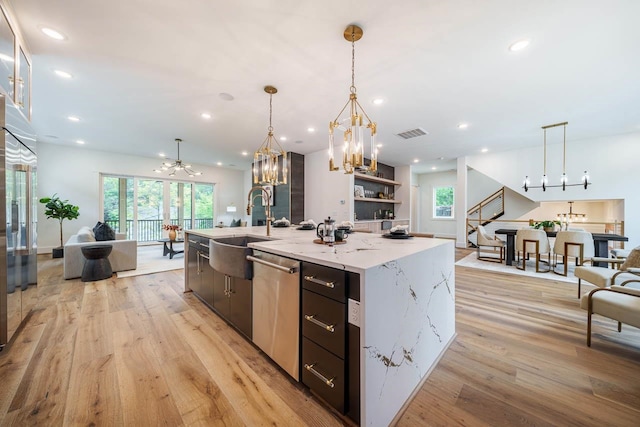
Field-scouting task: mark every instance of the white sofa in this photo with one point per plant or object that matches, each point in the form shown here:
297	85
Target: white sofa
124	255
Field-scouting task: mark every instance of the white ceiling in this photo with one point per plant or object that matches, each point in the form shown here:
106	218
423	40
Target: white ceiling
144	70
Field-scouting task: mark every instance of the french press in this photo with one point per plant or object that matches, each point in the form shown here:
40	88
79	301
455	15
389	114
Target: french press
327	231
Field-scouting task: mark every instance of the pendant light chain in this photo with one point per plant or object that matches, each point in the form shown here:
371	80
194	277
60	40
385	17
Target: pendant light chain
353	61
270	111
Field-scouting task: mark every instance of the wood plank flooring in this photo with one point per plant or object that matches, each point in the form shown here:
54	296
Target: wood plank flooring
138	351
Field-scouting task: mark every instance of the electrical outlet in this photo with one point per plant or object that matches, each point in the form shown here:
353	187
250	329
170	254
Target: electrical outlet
354	312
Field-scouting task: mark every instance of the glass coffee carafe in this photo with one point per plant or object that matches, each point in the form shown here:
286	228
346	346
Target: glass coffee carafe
327	231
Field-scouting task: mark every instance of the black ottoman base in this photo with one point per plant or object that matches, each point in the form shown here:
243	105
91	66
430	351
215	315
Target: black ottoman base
97	265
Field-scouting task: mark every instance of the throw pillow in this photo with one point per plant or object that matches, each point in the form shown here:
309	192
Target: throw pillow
633	260
103	232
85	235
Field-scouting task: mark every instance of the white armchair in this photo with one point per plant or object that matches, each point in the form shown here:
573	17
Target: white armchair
619	302
484	240
533	241
572	244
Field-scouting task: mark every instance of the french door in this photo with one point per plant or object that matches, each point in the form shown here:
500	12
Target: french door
140	207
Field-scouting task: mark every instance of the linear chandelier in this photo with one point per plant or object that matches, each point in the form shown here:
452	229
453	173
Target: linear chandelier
353	148
265	159
569	217
564	181
177	165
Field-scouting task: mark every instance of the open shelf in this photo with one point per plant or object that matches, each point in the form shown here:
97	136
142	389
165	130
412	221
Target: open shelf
374	199
365	177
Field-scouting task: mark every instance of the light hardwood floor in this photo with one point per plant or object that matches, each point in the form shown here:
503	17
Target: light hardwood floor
138	351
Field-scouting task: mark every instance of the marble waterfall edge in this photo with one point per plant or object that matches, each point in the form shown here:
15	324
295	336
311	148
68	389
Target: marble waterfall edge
409	319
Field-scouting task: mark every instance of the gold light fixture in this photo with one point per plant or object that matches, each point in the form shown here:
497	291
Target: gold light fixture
265	160
353	148
571	216
564	181
177	165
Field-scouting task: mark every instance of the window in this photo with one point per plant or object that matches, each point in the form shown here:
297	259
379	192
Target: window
443	202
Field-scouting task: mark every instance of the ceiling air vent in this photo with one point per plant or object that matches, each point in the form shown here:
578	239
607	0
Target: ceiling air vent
412	133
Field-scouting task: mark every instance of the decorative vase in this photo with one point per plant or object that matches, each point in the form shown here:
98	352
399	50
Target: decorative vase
172	234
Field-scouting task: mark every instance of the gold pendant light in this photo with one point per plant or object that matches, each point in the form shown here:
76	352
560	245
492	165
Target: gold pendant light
352	126
265	160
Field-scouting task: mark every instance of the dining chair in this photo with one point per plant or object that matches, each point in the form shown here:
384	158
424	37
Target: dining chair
533	241
572	244
485	240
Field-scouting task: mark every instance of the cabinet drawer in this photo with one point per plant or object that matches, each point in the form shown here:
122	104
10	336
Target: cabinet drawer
323	373
323	321
326	281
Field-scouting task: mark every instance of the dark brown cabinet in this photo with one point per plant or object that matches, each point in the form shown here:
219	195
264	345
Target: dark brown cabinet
330	346
200	273
232	301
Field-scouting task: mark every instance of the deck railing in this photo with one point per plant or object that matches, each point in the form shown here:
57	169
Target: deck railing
149	230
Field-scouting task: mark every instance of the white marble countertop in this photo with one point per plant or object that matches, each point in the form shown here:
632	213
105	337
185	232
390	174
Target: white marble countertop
360	252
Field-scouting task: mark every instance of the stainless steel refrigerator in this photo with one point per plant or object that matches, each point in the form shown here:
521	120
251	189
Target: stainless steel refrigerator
18	211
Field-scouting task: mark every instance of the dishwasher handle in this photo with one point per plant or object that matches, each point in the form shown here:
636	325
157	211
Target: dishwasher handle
290	270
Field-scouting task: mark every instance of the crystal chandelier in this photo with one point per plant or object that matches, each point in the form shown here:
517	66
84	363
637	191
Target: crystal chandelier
564	181
265	159
177	165
352	126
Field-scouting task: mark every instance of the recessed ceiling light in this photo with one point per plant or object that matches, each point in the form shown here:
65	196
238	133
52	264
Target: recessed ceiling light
463	125
283	138
50	32
484	150
378	101
162	155
440	158
74	118
79	141
311	130
519	45
226	96
416	160
6	58
379	145
205	115
63	74
244	153
433	168
219	163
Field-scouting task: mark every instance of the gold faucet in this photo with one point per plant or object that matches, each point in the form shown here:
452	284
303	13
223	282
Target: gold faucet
266	198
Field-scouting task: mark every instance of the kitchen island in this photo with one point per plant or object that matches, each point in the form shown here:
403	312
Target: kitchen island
406	309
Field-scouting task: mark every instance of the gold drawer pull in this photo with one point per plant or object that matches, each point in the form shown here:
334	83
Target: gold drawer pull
324	379
312	319
319	282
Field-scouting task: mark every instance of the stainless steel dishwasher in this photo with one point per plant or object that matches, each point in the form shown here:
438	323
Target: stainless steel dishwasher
276	309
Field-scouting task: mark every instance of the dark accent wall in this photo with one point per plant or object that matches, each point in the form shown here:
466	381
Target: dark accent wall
289	197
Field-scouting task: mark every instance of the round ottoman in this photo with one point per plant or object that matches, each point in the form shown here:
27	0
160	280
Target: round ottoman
97	265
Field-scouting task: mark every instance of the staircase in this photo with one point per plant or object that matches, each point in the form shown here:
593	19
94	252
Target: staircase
488	210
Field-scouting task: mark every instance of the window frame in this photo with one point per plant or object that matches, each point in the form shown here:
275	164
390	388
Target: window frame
435	206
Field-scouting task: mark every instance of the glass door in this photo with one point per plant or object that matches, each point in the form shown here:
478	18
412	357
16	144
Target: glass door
141	206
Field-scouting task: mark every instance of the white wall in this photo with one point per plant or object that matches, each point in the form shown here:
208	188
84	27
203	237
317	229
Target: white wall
612	163
439	227
73	173
326	193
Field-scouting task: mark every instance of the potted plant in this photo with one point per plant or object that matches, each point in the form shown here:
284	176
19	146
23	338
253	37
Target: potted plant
172	228
60	210
547	225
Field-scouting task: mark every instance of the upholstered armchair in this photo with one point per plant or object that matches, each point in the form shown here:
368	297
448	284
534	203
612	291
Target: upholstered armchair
619	302
533	241
629	269
572	244
484	240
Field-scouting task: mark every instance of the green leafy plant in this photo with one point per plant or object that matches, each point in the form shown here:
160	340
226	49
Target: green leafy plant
546	224
60	210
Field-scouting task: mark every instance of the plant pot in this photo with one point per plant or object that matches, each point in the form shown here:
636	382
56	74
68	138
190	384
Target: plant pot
549	228
57	252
